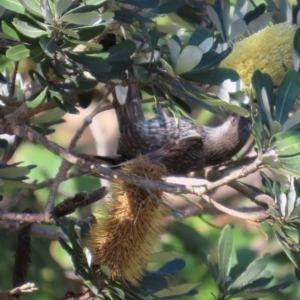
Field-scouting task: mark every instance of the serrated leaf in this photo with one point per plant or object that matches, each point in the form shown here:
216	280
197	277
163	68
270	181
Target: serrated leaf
224	253
252	272
287	93
189	58
28	30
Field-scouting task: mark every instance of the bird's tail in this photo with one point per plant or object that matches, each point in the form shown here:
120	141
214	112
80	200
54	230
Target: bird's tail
127	103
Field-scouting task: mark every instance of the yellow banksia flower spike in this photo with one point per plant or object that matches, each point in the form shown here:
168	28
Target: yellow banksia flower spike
123	239
266	50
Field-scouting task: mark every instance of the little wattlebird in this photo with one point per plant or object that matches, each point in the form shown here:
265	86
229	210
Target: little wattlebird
182	146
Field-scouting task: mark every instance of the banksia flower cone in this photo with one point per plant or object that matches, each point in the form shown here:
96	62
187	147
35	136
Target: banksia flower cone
266	50
123	239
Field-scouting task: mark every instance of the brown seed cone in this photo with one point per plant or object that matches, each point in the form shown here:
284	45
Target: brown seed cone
123	239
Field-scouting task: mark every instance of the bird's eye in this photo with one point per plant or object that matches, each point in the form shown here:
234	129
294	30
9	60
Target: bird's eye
234	119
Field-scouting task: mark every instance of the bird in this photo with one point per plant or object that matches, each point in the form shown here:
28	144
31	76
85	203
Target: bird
182	146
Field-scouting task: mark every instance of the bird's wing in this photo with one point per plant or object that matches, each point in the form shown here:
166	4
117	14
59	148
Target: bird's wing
180	156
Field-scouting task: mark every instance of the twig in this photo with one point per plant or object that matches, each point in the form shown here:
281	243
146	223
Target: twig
35	231
13	81
65	165
22	258
8	155
255	217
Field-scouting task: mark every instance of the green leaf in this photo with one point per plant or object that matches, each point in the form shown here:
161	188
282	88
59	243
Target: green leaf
168	68
49	46
287	93
28	30
62	6
9	30
172	266
168	6
252	272
293	170
32	6
120	51
210	59
88	19
199	36
65	246
290	160
176	291
17	53
12	171
263	86
37	54
142	3
13	5
297	41
46	10
154	37
213	269
174	49
289	253
94	63
37	77
287	143
37	98
224	253
86	33
189	58
212	77
141	73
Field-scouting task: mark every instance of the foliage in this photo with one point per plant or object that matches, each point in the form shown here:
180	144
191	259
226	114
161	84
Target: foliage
54	56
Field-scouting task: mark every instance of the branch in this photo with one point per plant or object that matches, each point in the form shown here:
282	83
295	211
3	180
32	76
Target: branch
31	135
35	231
65	207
